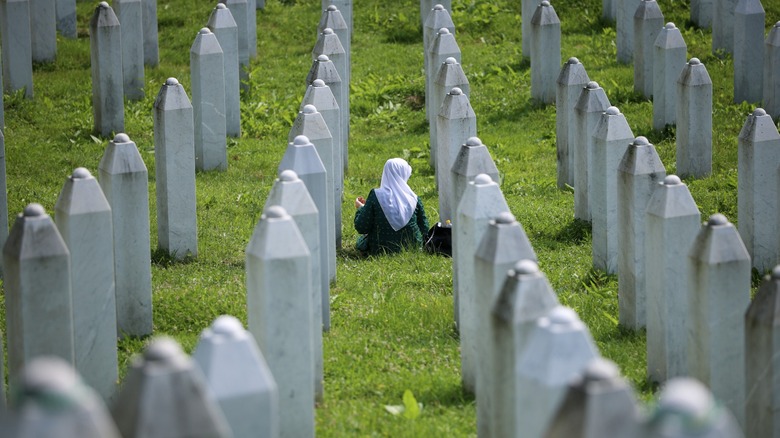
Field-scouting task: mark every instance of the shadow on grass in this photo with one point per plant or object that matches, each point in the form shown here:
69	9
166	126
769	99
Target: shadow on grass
165	259
450	395
575	231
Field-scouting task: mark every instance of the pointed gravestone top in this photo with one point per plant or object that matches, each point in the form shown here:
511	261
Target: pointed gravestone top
457	107
695	73
759	127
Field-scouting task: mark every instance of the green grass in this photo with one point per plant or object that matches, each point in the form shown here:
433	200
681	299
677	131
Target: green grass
392	326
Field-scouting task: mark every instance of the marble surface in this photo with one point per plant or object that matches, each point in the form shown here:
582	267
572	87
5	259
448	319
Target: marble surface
669	51
443	46
591	103
545	52
450	75
151	48
208	101
66	18
624	28
749	22
223	25
771	88
43	30
130	15
648	22
17	46
571	80
694	121
455	124
105	42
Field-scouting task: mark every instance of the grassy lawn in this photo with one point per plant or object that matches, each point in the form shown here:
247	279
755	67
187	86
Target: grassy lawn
392	321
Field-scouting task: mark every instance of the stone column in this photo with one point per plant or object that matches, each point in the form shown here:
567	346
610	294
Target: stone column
669	54
427	5
771	88
129	13
455	124
450	76
482	201
624	28
528	9
438	18
251	15
207	68
694	121
223	25
723	25
151	49
701	13
345	6
608	9
83	218
290	193
328	44
324	69
161	381
545	52
239	9
277	259
591	103
611	139
719	294
757	189
239	377
125	183
672	222
638	174
333	19
38	309
105	41
43	27
442	47
66	18
503	245
17	46
174	154
648	22
570	83
749	18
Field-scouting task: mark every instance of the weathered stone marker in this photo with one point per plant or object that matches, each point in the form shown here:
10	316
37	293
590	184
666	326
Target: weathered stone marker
239	9
151	48
251	15
545	52
345	8
503	245
571	80
290	193
624	27
557	351
43	27
669	54
208	101
333	19
239	377
125	184
17	46
160	382
638	174
174	151
66	17
701	13
38	311
719	294
442	47
83	218
723	26
686	409
438	18
324	69
591	104
3	195
672	222
130	15
450	76
648	22
223	25
757	196
600	403
328	44
427	5
527	10
278	266
609	9
52	399
771	88
455	124
762	358
694	120
749	17
311	125
105	41
525	296
611	138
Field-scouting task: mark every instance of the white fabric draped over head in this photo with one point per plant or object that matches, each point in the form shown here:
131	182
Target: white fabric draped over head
396	198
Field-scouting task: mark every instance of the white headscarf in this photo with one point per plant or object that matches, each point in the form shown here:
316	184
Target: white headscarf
398	201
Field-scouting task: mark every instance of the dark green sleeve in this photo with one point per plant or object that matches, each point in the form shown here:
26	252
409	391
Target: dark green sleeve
364	216
422	221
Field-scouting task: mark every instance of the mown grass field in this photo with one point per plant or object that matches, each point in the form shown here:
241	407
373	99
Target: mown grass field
392	322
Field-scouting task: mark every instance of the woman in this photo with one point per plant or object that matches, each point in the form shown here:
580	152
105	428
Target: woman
393	216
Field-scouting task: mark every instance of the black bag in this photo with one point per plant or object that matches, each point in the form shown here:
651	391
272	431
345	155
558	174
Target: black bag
439	239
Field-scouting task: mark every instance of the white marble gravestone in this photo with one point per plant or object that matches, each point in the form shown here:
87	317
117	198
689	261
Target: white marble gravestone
17	46
442	46
545	52
66	18
290	193
239	9
455	124
771	87
223	25
438	18
151	48
591	103
525	296
749	18
723	25
105	41
43	30
427	5
672	221
3	193
608	9
757	189
648	22
124	180
208	101
669	54
324	69
345	8
165	395
638	173
694	120
762	359
38	310
482	200
611	139
130	15
598	404
328	44
701	13
527	11
718	296
624	29
333	19
83	218
503	245
52	400
239	377
174	154
279	303
450	76
571	80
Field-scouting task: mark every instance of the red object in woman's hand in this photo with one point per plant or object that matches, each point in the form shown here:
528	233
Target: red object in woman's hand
359	202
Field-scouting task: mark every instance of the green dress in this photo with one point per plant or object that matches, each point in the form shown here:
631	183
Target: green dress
377	236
